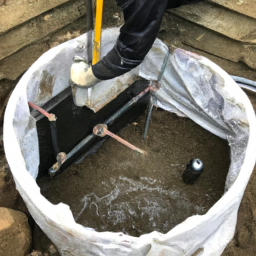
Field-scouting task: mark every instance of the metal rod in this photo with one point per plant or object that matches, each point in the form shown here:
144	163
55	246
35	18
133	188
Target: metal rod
150	104
51	117
166	57
102	130
126	106
89	17
97	33
86	140
150	107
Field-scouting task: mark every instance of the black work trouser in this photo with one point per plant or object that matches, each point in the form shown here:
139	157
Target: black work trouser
142	22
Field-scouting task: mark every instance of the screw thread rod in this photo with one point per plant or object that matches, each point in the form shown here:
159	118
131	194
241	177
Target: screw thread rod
126	143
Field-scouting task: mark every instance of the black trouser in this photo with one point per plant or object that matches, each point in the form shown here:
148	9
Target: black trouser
142	22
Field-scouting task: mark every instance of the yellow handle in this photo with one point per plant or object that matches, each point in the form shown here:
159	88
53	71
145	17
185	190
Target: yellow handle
97	35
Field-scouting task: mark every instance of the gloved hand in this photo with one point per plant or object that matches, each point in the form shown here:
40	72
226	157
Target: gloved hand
81	74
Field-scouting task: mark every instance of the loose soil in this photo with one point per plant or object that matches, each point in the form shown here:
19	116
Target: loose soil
118	189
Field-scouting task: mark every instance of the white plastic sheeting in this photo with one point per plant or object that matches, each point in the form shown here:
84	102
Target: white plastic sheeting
191	86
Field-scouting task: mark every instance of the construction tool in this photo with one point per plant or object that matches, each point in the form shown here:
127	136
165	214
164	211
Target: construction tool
89	20
150	104
94	57
102	130
97	32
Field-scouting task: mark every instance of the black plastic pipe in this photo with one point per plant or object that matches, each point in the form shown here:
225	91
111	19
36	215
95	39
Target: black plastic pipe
54	134
89	17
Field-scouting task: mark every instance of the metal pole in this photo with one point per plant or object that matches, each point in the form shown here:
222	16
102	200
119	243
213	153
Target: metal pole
89	29
127	106
102	130
150	107
97	32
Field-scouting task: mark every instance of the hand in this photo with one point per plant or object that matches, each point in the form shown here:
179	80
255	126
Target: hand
81	74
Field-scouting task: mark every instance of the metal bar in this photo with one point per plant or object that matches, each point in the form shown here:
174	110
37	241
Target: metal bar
150	107
126	143
102	130
42	111
166	57
126	106
97	33
89	18
52	103
89	40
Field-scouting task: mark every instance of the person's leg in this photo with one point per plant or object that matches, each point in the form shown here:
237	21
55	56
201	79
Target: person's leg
142	22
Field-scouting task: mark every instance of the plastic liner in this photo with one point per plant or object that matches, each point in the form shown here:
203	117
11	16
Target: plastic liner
191	86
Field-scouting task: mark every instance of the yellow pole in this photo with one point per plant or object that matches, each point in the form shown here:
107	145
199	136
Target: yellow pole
97	33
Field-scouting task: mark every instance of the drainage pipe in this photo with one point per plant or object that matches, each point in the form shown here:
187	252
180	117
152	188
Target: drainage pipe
51	117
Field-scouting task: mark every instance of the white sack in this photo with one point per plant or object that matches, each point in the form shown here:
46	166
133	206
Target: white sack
192	86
